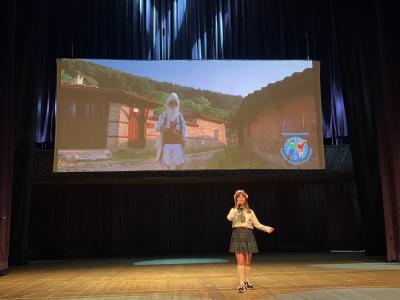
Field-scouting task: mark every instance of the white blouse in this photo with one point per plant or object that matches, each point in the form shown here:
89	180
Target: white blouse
251	220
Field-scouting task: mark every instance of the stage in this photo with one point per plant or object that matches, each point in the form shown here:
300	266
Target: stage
275	276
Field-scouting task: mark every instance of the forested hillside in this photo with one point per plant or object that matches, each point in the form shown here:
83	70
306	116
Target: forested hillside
219	105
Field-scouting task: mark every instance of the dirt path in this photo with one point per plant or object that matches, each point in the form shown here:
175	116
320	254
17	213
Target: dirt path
193	161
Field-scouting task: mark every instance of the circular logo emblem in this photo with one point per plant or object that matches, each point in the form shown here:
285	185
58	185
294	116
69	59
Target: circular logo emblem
296	151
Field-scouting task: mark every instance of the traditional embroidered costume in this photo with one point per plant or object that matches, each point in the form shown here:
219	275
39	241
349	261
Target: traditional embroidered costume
172	138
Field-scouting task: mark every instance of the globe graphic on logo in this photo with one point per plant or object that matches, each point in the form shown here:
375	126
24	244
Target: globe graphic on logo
296	150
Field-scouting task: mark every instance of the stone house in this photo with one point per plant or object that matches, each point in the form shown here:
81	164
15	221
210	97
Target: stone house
290	107
101	118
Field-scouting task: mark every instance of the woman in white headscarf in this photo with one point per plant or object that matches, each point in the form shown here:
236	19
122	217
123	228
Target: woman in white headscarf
172	128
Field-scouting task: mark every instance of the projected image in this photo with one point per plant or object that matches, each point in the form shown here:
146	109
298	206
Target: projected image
115	115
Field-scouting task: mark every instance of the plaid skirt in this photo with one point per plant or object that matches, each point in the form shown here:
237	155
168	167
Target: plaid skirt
243	240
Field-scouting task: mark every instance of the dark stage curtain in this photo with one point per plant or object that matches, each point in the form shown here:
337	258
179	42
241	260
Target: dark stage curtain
189	30
123	220
384	65
7	33
335	32
354	25
369	87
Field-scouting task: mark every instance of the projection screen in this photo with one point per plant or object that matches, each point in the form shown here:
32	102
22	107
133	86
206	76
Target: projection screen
120	115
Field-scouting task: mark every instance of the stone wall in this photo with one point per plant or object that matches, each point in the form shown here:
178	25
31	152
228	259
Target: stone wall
118	126
264	134
207	130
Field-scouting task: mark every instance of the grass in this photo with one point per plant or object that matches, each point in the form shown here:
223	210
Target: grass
233	157
200	149
123	154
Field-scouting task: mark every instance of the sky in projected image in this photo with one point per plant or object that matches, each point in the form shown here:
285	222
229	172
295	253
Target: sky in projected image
224	76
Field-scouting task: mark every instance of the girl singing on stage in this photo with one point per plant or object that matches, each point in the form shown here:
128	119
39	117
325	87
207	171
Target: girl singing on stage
243	242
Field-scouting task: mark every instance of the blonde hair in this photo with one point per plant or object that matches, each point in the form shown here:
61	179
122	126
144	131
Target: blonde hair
246	203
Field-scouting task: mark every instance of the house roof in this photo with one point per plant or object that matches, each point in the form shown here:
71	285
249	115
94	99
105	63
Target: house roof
194	114
298	83
123	96
191	116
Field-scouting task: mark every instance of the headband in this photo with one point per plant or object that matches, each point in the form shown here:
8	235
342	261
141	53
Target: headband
240	192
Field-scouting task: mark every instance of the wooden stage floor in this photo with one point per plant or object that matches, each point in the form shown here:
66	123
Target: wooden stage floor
275	276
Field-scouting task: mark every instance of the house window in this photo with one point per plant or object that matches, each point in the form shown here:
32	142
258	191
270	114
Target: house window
216	133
